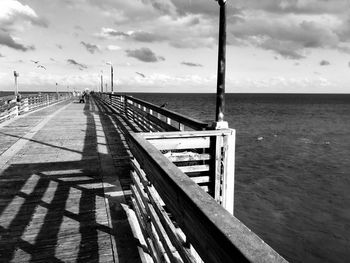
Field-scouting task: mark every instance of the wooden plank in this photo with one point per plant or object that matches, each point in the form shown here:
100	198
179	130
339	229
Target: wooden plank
177	240
186	134
205	223
166	222
168	247
216	168
187	156
200	179
189	122
194	168
181	143
154	120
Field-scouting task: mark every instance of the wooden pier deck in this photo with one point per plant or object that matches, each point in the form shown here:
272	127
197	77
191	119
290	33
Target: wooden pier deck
62	197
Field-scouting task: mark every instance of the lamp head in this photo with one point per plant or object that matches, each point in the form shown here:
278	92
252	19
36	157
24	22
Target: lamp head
221	2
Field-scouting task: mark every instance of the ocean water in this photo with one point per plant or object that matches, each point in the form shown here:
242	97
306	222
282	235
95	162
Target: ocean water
292	184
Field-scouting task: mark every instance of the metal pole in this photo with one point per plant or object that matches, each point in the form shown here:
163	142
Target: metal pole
57	90
16	83
111	78
101	82
220	94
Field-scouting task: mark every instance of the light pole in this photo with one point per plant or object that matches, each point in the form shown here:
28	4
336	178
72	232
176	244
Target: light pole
110	63
57	90
101	81
220	93
16	75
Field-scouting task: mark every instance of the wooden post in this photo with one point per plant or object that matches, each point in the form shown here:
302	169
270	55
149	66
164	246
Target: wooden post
220	94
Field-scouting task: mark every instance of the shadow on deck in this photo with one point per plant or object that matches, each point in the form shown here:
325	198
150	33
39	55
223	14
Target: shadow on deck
52	193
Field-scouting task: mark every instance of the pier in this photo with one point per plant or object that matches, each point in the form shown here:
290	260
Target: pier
118	179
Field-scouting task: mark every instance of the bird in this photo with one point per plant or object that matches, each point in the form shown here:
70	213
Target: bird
41	66
36	62
163	105
142	75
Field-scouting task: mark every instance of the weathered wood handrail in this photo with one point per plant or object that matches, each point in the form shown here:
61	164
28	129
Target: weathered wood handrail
148	116
30	102
215	234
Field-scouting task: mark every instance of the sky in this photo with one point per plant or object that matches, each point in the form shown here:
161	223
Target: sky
273	46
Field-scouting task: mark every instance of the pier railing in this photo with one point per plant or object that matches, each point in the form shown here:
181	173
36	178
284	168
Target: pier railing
180	221
183	187
12	108
150	117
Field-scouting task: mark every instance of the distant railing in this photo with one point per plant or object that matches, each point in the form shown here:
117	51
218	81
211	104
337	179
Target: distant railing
173	162
150	117
12	108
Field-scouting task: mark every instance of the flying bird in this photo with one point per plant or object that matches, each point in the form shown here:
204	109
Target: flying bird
41	66
36	62
142	75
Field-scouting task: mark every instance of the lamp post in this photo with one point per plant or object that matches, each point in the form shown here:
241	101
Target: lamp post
220	93
57	90
101	81
110	63
16	75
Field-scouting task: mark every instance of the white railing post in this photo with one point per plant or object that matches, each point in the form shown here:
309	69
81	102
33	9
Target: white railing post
229	143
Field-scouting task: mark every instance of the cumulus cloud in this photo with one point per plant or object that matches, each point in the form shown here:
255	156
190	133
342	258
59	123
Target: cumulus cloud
324	63
144	54
7	40
191	64
113	48
1	55
111	33
92	48
295	6
13	15
190	31
59	46
75	63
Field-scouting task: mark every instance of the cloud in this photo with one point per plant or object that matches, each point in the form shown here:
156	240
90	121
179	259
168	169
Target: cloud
289	36
59	46
1	55
14	15
144	54
92	48
324	63
108	33
113	48
7	40
190	31
295	6
143	36
73	62
191	64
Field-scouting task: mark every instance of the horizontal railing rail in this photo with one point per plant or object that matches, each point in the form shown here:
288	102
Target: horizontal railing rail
175	213
150	117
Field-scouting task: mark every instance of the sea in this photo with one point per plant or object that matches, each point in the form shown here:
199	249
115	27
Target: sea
292	177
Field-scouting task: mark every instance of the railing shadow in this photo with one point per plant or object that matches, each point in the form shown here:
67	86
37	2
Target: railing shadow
54	211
